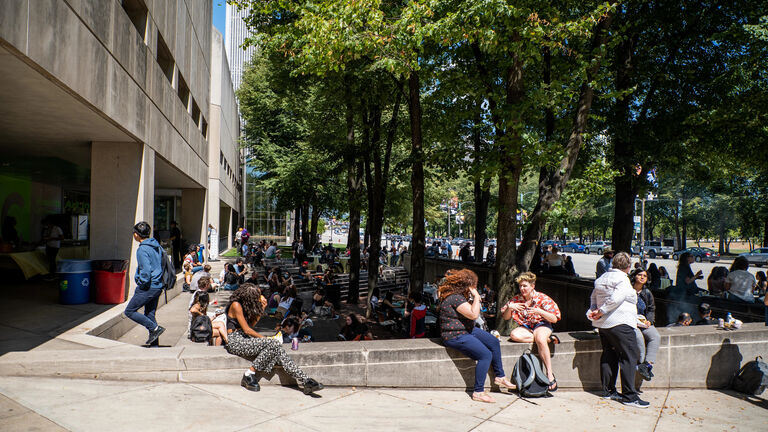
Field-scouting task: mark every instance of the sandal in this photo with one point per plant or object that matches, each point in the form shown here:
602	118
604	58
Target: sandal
553	382
504	383
483	397
554	339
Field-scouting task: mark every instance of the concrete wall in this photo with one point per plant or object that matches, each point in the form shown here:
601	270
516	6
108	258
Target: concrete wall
690	357
92	49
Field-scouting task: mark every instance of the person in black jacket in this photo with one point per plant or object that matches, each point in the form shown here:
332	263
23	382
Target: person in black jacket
648	338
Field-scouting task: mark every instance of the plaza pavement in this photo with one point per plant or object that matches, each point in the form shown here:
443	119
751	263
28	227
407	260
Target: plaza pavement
55	404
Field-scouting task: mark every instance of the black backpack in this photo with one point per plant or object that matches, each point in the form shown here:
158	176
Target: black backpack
201	329
530	379
752	379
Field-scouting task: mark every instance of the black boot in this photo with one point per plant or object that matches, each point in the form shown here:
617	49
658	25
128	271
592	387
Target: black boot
311	386
250	383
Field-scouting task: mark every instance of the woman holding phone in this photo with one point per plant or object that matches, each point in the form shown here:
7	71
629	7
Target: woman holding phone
534	313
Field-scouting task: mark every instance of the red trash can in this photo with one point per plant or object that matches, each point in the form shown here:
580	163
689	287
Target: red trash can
109	281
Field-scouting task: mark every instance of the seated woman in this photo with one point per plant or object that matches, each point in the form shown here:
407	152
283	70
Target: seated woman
458	331
200	308
193	259
243	312
648	338
354	329
534	313
187	286
289	295
231	278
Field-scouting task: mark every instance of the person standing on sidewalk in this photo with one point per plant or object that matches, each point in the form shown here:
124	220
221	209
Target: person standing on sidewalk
149	285
175	238
613	311
52	237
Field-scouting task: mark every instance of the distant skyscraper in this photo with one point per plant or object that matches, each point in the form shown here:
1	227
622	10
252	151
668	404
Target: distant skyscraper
235	35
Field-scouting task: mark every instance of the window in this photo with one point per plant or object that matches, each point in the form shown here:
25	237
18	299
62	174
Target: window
204	129
164	58
183	91
195	113
137	12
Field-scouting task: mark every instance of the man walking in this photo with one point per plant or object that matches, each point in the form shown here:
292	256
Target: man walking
613	311
149	285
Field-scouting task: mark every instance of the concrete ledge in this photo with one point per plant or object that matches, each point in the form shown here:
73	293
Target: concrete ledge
690	357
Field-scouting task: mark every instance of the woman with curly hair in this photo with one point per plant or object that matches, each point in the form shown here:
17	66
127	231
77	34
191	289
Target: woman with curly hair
458	331
243	312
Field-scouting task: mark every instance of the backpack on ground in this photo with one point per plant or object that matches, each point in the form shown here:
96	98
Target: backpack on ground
752	379
201	329
530	378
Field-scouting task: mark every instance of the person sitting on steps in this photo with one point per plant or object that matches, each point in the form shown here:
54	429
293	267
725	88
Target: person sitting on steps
534	313
245	309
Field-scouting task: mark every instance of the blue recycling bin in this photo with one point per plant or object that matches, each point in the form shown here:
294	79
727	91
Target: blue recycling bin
74	281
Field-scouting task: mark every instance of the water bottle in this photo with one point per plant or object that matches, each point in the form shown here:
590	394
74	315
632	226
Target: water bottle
729	318
295	343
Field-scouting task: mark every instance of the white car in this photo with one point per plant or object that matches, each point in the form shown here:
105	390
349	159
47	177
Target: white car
598	247
757	257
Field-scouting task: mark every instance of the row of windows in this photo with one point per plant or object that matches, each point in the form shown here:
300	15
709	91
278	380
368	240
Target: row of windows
233	176
138	13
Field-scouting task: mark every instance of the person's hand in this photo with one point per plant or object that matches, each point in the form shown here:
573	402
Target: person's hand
517	307
474	293
594	314
644	324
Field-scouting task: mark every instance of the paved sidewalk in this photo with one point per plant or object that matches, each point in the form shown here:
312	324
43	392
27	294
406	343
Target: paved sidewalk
52	404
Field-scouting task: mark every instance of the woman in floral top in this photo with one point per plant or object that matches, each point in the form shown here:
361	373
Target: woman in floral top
534	314
458	331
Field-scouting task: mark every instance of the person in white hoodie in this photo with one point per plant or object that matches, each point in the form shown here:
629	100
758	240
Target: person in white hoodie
613	311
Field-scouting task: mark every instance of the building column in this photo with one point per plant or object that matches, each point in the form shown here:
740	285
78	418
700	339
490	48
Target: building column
122	194
213	215
194	220
229	227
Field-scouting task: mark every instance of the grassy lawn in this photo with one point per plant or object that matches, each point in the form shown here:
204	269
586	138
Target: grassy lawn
230	253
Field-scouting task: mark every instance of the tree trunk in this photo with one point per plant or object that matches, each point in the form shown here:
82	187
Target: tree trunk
354	188
305	226
482	195
297	224
765	232
417	184
623	220
313	224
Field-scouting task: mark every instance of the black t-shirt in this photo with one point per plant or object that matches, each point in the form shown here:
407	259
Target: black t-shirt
176	242
452	323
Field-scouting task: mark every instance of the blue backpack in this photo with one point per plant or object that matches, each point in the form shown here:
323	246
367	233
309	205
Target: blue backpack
529	376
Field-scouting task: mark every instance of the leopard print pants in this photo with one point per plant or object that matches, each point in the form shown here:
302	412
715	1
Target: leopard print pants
267	352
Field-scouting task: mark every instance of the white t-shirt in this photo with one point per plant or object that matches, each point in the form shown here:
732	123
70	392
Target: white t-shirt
271	251
742	283
55	232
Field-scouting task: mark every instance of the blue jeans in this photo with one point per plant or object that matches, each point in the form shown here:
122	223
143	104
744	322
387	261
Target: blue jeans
196	269
483	347
147	298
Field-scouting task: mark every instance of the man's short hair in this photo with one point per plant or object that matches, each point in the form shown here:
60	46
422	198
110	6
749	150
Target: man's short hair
142	229
207	268
204	283
622	261
704	308
417	297
683	317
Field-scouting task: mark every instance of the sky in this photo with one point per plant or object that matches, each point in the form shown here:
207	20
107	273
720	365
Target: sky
220	15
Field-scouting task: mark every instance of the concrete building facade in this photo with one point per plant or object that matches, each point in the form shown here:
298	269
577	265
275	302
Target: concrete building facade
119	110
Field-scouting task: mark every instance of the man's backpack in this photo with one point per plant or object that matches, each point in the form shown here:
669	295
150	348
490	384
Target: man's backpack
168	276
752	379
201	329
530	379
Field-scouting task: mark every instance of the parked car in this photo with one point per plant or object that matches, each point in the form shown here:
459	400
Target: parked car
654	249
553	243
757	257
574	247
699	254
597	247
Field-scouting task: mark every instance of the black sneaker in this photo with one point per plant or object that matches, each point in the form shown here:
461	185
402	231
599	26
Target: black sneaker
155	334
250	383
637	403
611	396
312	386
644	369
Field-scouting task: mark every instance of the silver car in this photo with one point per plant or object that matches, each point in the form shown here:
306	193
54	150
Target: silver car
757	257
597	247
